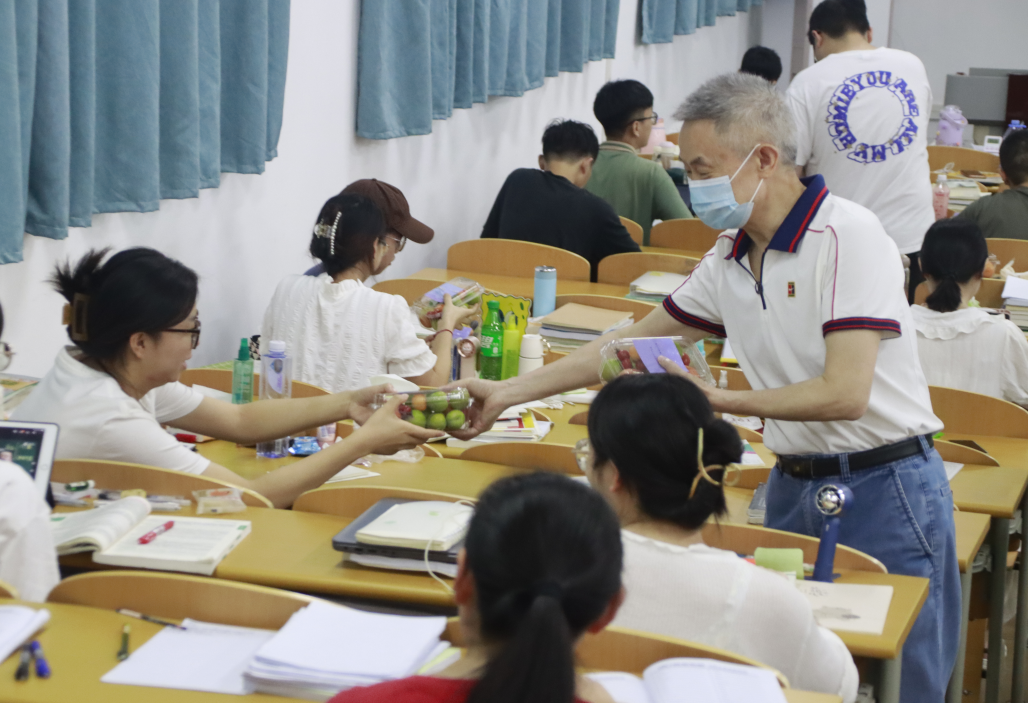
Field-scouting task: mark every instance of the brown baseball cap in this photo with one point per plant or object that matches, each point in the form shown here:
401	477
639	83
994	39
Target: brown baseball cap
394	208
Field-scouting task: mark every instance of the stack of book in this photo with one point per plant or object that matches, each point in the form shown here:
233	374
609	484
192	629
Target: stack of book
654	286
1015	301
572	326
327	648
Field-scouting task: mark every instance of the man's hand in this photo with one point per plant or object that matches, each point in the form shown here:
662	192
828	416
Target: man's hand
386	433
713	393
489	402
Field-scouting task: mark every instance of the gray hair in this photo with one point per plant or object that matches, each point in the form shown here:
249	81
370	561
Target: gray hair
745	110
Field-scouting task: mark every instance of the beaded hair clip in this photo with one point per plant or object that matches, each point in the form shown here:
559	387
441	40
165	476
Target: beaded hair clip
323	230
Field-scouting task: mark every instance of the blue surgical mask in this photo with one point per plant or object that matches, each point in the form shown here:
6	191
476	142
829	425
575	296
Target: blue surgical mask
713	200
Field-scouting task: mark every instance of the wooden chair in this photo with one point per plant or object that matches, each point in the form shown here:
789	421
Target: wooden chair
352	501
737	380
988	296
638	308
117	475
744	539
673	137
963	159
622	269
8	591
579	418
745	433
178	596
410	288
635	230
1010	249
959	454
557	458
431	451
510	257
689	234
964	412
221	380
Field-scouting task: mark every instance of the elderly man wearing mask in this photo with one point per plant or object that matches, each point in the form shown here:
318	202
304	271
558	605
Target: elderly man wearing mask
809	288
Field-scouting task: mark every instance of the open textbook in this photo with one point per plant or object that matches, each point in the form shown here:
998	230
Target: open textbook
193	545
687	680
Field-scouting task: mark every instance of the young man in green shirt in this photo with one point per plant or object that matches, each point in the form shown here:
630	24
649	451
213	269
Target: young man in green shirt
637	189
1005	215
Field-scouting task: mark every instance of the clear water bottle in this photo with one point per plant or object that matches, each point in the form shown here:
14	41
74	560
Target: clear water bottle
276	382
940	197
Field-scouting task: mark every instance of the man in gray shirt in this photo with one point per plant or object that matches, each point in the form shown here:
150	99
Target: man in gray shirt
1005	215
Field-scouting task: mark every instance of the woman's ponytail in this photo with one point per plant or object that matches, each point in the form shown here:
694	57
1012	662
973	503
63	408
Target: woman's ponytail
953	252
946	296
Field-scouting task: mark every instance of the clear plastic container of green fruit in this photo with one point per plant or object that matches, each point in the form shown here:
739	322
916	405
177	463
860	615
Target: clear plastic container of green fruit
640	354
463	293
436	410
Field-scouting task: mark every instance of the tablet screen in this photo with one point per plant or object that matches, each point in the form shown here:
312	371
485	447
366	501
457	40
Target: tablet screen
21	446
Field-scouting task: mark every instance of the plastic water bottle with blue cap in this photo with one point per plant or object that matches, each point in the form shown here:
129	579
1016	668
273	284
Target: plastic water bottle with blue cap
276	382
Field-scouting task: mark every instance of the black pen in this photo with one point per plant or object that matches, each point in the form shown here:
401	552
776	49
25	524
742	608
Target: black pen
123	653
22	672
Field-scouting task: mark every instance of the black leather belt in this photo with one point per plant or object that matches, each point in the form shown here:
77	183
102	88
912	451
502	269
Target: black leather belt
800	466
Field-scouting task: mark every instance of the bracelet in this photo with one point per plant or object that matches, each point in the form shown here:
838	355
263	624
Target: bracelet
439	332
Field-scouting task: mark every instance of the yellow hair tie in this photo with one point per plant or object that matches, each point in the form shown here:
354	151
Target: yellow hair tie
702	472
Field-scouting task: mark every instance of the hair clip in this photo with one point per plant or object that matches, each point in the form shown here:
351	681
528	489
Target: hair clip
702	470
324	231
75	315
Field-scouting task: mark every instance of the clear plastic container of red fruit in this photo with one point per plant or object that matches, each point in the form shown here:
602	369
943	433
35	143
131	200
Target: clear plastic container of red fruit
463	293
640	354
436	410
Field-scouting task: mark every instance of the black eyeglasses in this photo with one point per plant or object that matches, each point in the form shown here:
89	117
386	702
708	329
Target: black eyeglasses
6	355
194	331
652	118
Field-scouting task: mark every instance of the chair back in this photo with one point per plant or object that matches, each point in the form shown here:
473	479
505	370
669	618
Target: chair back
353	501
638	308
672	137
510	257
411	289
635	230
120	476
962	159
622	269
737	380
179	596
964	412
744	539
579	418
689	234
8	591
959	454
990	295
1007	250
221	380
557	458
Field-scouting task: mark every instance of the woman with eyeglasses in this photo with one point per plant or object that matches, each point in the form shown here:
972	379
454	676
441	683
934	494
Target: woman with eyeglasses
28	560
133	323
659	457
341	332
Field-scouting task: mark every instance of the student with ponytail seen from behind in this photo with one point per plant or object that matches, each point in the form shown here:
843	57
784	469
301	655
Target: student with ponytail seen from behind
961	346
659	456
541	567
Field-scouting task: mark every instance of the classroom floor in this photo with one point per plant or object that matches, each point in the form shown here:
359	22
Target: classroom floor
1008	663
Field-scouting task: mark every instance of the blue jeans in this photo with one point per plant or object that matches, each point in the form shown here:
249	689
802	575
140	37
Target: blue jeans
903	516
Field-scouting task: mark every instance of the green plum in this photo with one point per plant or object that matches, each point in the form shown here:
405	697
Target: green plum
460	399
454	420
418	418
436	421
437	401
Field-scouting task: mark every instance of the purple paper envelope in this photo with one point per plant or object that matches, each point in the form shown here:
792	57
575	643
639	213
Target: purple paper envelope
651	349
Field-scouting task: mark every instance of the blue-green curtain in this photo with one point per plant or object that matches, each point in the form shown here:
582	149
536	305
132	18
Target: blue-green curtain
421	59
112	105
662	20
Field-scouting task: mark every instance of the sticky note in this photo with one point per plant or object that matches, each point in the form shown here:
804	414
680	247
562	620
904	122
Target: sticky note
784	560
650	349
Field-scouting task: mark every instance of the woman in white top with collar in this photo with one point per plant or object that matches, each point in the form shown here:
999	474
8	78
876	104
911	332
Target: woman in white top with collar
959	346
134	324
28	560
645	433
340	332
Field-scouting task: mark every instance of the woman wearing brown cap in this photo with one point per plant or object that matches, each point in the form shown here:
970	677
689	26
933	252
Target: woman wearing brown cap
340	332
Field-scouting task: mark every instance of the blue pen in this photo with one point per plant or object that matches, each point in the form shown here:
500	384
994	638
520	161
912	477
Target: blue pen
42	667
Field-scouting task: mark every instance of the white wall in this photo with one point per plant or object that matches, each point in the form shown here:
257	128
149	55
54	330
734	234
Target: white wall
246	235
951	36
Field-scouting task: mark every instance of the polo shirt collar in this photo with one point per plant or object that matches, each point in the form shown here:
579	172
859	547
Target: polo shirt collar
792	229
619	146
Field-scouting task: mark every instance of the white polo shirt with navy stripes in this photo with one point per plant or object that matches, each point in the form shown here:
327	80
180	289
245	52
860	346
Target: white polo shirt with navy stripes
830	267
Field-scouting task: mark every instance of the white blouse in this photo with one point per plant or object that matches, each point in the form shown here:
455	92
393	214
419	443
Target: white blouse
98	420
341	334
28	560
972	350
714	597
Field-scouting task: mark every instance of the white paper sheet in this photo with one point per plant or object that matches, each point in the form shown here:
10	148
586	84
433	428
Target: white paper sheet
17	624
848	607
203	657
952	469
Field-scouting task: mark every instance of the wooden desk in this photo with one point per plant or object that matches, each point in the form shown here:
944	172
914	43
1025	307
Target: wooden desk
80	643
1008	451
524	287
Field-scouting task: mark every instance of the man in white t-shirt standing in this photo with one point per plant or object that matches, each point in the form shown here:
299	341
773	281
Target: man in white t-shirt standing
862	121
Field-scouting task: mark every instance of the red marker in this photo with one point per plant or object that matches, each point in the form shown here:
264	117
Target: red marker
152	534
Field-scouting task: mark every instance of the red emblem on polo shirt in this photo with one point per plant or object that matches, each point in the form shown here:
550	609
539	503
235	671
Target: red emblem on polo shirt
792	289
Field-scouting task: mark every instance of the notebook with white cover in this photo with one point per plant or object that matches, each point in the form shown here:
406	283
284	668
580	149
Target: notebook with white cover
657	283
17	624
680	680
848	607
418	524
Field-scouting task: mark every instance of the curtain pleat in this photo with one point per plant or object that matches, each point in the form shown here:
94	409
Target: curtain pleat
662	20
111	106
418	60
